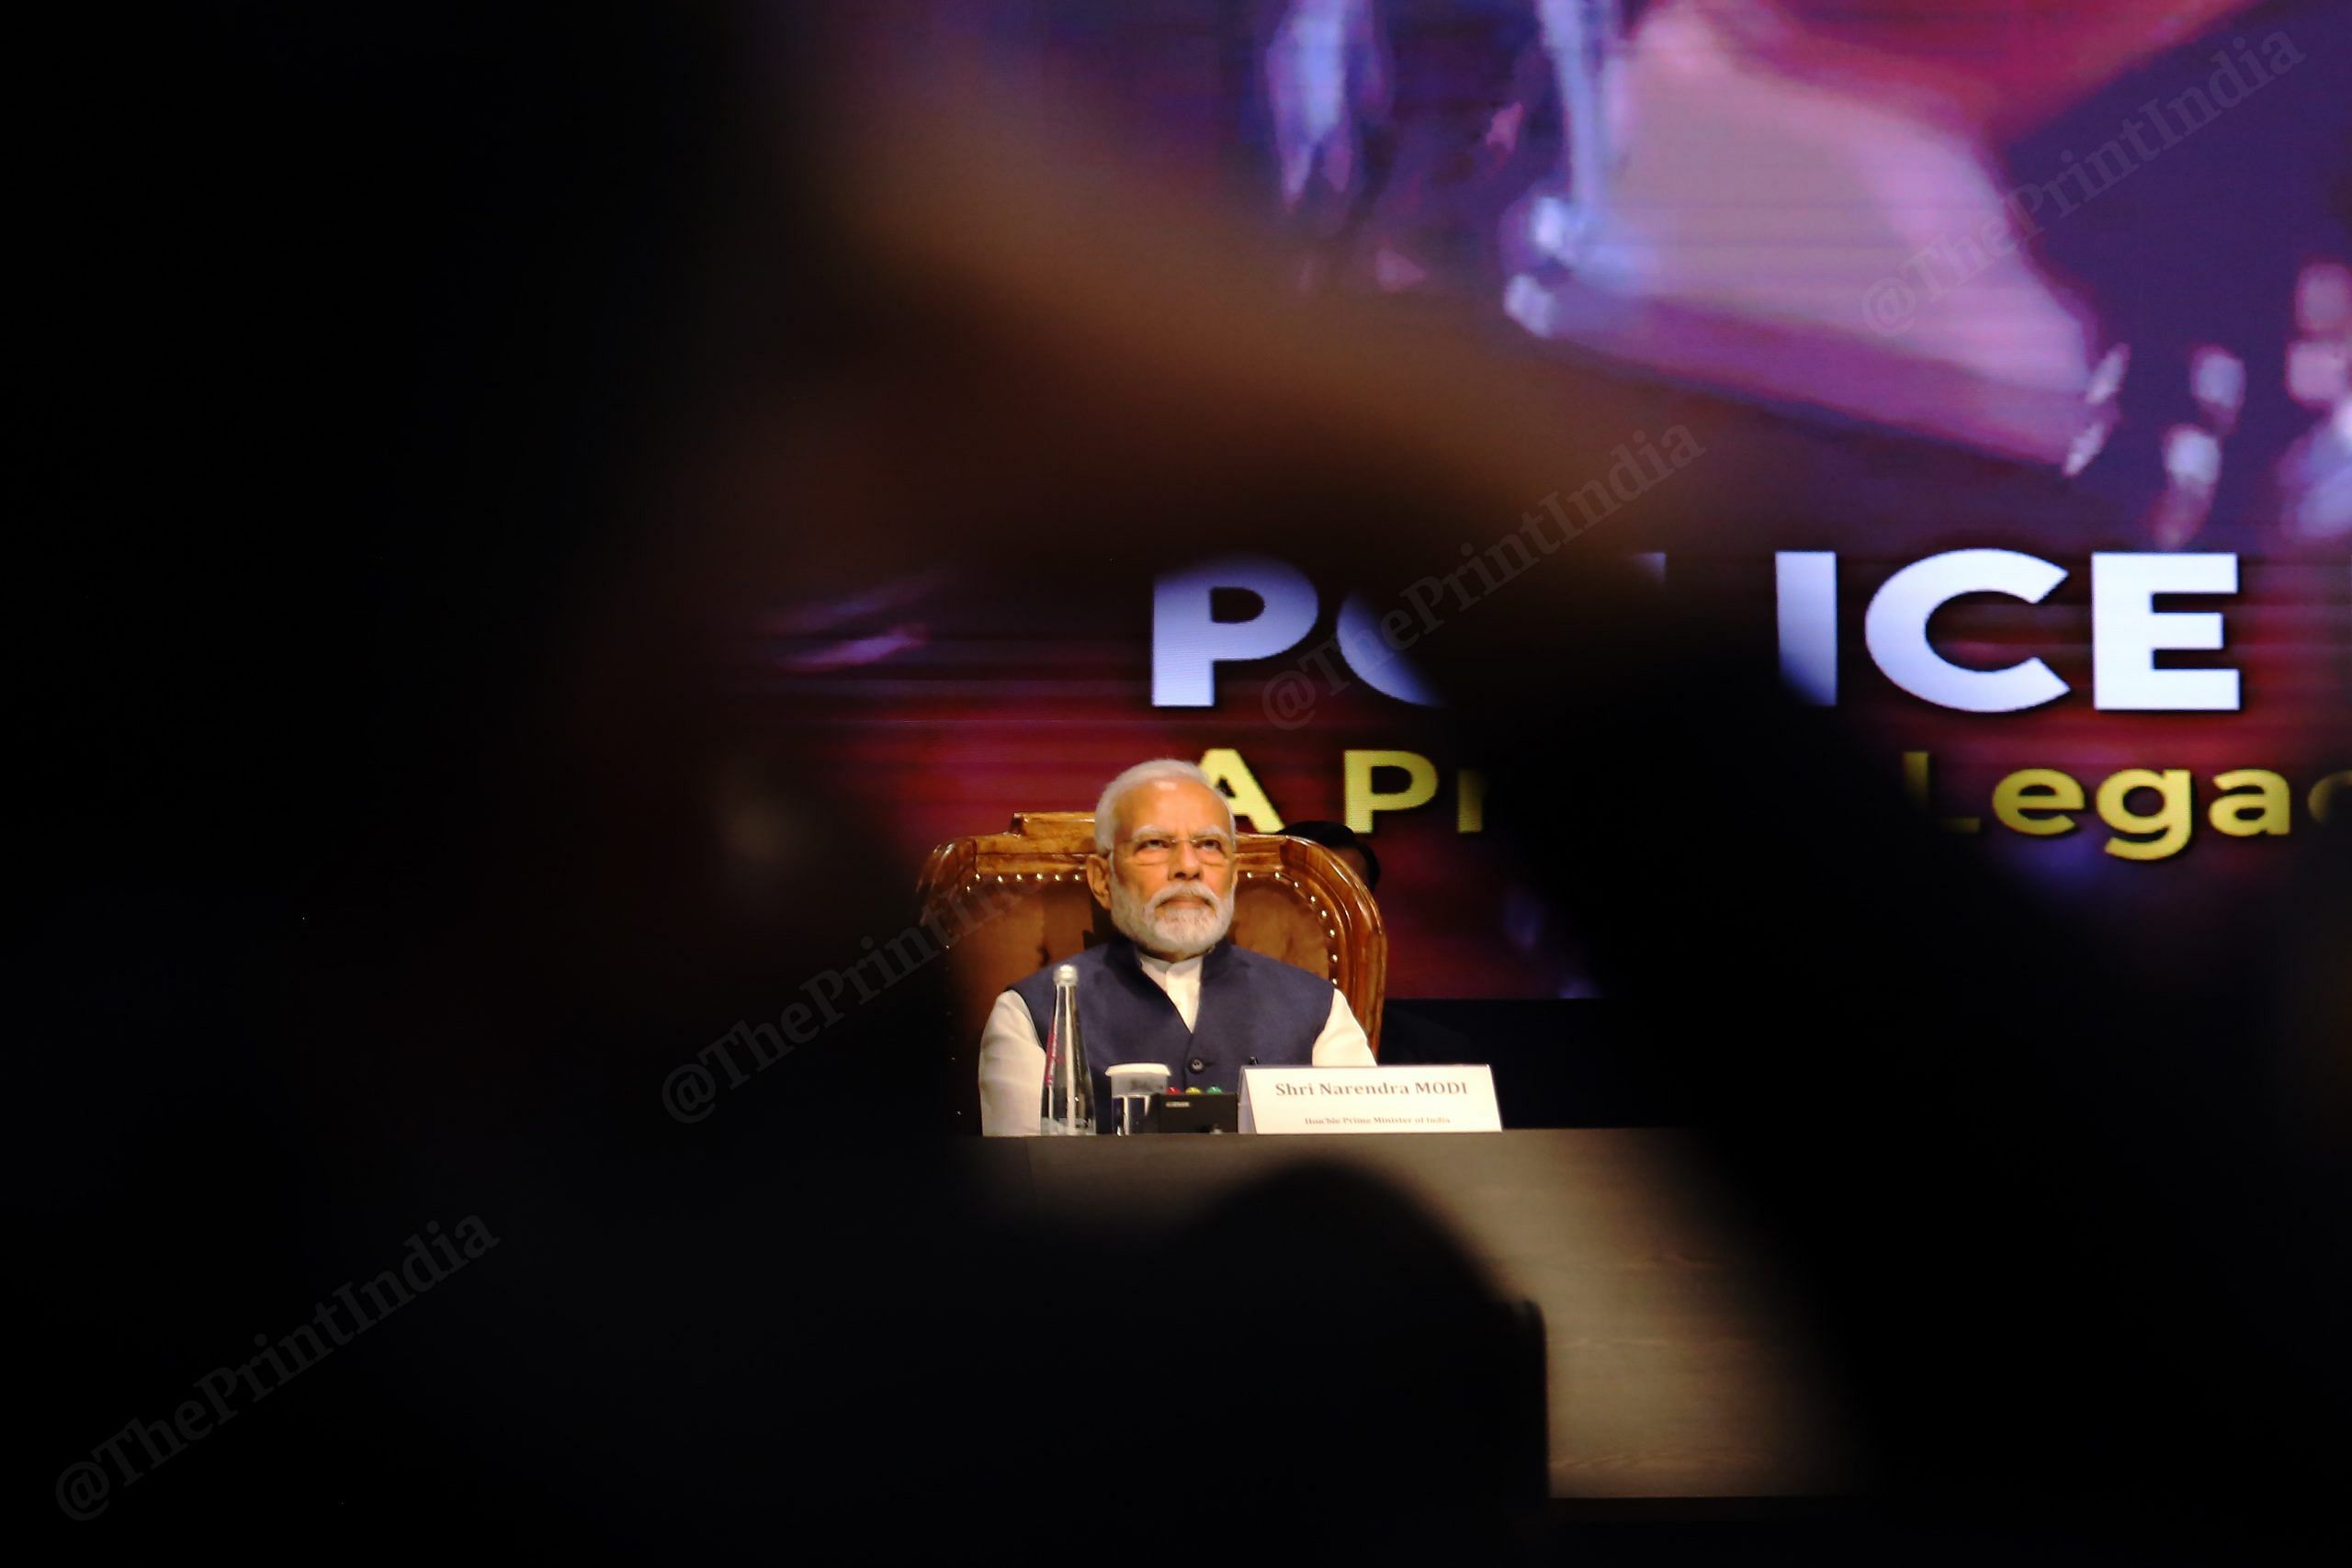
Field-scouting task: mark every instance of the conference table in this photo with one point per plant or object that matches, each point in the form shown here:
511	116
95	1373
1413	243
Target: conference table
1677	1366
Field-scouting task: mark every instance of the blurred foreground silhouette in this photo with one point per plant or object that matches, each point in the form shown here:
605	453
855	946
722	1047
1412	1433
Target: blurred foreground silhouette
426	400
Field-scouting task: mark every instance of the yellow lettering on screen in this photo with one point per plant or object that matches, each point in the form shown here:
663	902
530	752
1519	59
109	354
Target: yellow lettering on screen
1916	784
2259	802
2170	824
2324	795
1364	801
1470	802
2030	801
1230	772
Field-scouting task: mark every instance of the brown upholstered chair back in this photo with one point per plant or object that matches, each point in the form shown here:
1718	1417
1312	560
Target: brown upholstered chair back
1006	905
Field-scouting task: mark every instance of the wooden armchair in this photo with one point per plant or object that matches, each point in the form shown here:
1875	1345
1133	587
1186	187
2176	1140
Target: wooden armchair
1005	905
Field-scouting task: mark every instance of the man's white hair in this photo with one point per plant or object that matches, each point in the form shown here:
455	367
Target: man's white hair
1158	771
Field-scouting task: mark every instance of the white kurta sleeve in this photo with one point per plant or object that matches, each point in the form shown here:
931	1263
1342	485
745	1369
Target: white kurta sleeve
1342	1044
1012	1070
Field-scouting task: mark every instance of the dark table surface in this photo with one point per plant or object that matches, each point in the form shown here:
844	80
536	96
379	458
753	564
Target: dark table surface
1677	1368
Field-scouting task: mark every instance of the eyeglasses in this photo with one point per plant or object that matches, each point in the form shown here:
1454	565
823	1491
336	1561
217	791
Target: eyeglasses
1151	849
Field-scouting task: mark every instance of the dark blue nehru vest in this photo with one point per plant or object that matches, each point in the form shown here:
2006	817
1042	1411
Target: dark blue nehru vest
1252	1006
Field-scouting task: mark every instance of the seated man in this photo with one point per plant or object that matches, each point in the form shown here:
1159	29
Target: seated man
1175	991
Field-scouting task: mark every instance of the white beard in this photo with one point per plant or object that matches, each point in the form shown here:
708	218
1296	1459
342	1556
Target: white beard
1185	932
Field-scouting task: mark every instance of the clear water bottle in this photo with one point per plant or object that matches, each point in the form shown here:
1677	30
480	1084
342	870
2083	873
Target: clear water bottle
1068	1105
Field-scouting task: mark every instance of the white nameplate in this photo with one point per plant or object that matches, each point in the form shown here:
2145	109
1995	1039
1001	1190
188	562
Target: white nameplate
1369	1100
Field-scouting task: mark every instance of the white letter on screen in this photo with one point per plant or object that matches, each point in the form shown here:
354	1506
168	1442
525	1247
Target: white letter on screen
1384	669
1807	588
1187	645
2127	630
1896	631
